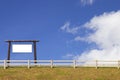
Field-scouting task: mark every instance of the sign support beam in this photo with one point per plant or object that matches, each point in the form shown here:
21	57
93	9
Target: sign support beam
35	55
9	49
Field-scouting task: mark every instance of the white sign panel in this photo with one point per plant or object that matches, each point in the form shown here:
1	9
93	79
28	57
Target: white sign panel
22	48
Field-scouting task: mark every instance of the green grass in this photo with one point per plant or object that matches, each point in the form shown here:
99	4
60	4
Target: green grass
37	73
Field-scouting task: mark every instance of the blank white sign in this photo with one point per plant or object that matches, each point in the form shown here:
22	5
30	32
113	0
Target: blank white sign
22	48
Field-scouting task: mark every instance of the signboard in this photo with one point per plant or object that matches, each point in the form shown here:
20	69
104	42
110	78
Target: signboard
22	48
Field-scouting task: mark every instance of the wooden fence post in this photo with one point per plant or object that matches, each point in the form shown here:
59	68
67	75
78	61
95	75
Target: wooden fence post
74	63
4	64
96	64
28	64
51	63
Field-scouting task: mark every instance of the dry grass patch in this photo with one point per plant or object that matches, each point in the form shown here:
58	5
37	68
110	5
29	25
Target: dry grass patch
59	74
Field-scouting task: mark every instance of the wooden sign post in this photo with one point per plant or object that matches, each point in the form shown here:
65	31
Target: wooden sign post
12	41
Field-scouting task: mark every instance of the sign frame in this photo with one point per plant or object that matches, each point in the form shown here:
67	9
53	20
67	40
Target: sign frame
21	41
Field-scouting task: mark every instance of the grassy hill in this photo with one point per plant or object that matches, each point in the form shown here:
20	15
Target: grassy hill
22	73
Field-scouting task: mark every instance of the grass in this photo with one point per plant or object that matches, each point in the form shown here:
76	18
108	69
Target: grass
37	73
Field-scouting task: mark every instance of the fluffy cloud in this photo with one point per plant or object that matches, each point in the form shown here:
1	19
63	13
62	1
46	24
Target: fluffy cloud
87	2
106	36
78	38
68	56
66	28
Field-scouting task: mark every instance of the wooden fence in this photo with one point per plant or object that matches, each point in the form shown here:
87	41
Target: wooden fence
59	63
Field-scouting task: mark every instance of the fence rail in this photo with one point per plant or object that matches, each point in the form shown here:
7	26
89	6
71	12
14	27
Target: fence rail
59	63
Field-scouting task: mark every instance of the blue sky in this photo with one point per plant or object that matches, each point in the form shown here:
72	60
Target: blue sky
42	20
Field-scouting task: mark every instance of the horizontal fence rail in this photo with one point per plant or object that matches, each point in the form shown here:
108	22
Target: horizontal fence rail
60	63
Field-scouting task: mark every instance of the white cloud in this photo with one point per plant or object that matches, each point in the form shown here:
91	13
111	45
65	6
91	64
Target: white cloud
66	28
87	2
106	36
68	56
78	38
